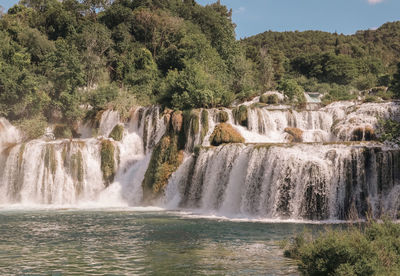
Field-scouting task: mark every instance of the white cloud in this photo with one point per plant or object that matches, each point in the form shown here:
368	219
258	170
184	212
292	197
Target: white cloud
239	10
373	2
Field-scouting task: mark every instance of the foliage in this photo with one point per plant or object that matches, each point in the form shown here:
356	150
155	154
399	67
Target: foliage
117	133
59	58
292	90
269	99
62	131
223	116
225	133
372	249
32	128
389	130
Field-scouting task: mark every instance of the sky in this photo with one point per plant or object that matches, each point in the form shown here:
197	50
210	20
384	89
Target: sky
342	16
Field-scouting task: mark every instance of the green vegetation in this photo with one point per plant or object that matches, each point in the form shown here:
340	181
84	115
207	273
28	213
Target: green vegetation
240	115
64	61
223	116
62	131
373	249
204	123
57	58
224	133
108	166
389	130
165	159
32	128
326	62
117	133
269	99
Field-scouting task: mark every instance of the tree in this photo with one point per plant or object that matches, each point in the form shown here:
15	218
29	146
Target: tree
396	82
292	90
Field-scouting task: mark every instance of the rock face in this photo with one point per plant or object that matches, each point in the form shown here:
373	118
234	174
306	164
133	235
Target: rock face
363	134
223	134
296	135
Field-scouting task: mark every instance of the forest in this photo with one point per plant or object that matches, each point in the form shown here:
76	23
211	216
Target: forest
64	61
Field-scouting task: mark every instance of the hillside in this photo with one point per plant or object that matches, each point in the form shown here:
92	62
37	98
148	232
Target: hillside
360	61
64	62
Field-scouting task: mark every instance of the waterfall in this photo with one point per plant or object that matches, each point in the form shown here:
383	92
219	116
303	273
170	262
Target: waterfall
68	172
296	182
332	170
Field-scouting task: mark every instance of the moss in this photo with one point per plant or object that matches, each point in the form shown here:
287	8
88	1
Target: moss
107	161
177	121
240	115
269	99
204	123
296	135
77	166
117	133
195	123
225	133
165	159
223	116
62	131
50	160
21	154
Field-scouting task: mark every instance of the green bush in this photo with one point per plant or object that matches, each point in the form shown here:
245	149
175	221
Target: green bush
371	99
224	133
373	249
223	116
292	90
117	133
62	131
388	130
32	128
269	99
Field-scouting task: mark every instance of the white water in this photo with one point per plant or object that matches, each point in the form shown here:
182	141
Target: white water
286	181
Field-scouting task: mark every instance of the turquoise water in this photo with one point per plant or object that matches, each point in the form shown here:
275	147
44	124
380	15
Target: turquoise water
128	242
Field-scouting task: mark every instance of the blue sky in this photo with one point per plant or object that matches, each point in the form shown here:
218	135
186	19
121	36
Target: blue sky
343	16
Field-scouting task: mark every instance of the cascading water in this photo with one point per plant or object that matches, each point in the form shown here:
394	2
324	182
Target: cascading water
324	177
291	181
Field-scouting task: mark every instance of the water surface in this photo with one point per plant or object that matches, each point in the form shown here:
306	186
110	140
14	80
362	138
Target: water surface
131	242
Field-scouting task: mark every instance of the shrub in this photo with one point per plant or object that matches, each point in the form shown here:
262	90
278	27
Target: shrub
371	99
117	133
370	250
293	91
223	116
32	128
269	99
225	133
388	130
62	131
